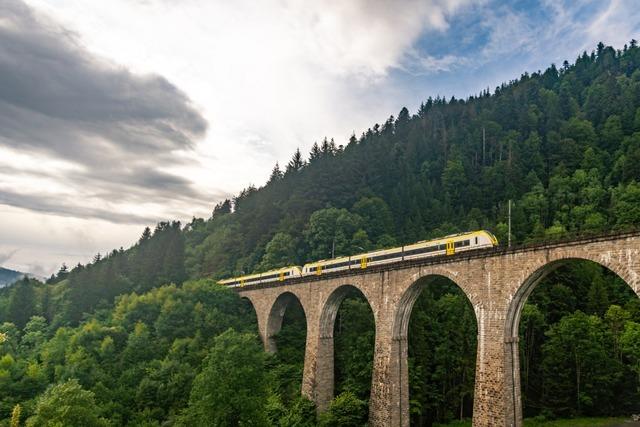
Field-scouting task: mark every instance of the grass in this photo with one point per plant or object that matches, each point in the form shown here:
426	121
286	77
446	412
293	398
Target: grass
459	423
575	422
538	422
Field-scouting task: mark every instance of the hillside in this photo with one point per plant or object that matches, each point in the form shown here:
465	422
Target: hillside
141	336
563	144
8	276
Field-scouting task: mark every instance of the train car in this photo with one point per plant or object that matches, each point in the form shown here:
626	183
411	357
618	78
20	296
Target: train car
447	245
326	266
241	281
279	275
383	256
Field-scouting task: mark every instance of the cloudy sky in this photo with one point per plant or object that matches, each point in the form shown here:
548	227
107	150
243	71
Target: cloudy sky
117	114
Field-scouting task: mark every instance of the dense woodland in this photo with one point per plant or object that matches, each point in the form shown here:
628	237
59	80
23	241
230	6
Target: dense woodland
144	336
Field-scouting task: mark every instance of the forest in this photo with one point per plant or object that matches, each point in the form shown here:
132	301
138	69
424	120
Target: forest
145	337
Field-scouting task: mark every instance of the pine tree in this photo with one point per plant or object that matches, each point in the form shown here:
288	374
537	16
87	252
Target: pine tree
598	297
315	152
15	416
296	163
276	174
325	148
63	272
146	235
222	208
22	303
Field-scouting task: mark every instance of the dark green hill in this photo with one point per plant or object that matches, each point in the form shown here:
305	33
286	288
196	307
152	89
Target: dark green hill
563	144
8	276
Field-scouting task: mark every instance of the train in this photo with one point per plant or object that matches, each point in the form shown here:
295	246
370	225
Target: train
447	245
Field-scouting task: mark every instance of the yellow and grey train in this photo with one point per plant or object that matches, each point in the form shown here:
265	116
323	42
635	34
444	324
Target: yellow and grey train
447	245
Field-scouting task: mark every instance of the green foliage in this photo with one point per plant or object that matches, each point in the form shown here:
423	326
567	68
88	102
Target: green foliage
346	410
331	232
354	338
138	362
572	357
377	220
532	329
630	342
22	304
157	259
280	252
442	354
15	416
301	413
578	371
67	404
575	422
231	389
287	365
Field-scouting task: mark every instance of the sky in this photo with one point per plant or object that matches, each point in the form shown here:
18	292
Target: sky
117	114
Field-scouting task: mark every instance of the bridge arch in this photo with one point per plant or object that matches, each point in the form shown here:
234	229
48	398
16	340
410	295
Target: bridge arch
418	282
325	370
332	304
276	316
532	277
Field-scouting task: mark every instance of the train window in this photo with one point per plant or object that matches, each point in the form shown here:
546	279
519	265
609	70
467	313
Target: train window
338	265
386	256
461	243
425	250
476	240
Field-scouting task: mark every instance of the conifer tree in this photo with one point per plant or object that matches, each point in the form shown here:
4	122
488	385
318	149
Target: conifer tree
296	163
22	304
276	174
315	152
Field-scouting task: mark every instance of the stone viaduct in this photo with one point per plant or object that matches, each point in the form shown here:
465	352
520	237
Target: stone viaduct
496	281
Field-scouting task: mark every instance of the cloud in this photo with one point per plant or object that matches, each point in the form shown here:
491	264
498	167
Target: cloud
367	38
270	76
496	41
424	64
619	22
6	256
62	207
121	131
